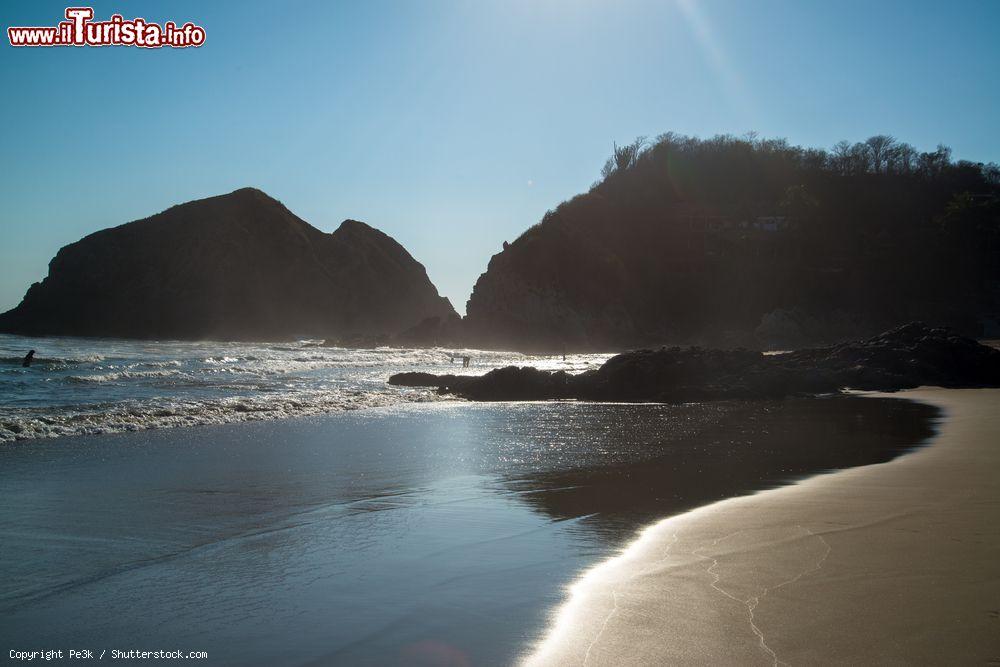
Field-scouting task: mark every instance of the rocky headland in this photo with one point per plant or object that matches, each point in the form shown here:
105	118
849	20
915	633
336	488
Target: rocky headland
731	242
236	266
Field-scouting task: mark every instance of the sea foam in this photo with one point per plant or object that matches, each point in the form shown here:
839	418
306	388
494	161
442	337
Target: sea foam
92	386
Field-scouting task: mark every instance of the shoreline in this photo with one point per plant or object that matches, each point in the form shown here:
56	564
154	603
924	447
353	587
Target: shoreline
458	524
835	568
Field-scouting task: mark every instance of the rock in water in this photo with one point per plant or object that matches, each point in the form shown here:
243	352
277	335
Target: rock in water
906	357
236	266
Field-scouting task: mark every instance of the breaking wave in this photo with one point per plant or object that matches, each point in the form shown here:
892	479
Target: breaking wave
93	420
92	386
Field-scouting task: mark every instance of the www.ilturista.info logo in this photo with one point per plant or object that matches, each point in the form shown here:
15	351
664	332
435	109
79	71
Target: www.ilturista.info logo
81	30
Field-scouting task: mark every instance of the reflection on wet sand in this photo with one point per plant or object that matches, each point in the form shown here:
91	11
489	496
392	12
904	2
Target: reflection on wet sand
883	564
380	536
676	464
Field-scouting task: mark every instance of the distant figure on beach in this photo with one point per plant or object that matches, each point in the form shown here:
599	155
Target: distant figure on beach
28	358
465	362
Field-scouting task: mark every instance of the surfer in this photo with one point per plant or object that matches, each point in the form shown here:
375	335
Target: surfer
28	358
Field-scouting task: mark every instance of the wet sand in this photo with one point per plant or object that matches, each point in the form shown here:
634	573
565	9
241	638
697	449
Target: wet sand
433	534
893	563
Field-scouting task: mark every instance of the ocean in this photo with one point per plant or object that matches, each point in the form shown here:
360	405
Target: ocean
91	386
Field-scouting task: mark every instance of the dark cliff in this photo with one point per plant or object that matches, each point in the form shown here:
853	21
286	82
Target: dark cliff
730	242
236	266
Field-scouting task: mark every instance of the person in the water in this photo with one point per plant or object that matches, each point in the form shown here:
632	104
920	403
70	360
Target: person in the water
28	358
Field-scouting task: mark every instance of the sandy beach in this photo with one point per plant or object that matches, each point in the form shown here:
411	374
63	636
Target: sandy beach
893	563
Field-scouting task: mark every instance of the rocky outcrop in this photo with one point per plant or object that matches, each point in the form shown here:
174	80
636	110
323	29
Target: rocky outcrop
906	357
729	242
570	282
236	266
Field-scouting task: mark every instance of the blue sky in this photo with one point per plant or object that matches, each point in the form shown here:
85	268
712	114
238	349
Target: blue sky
453	126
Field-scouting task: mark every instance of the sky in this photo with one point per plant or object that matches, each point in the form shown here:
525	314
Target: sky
454	126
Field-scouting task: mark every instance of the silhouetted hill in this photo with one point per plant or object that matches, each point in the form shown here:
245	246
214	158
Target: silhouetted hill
750	242
236	266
